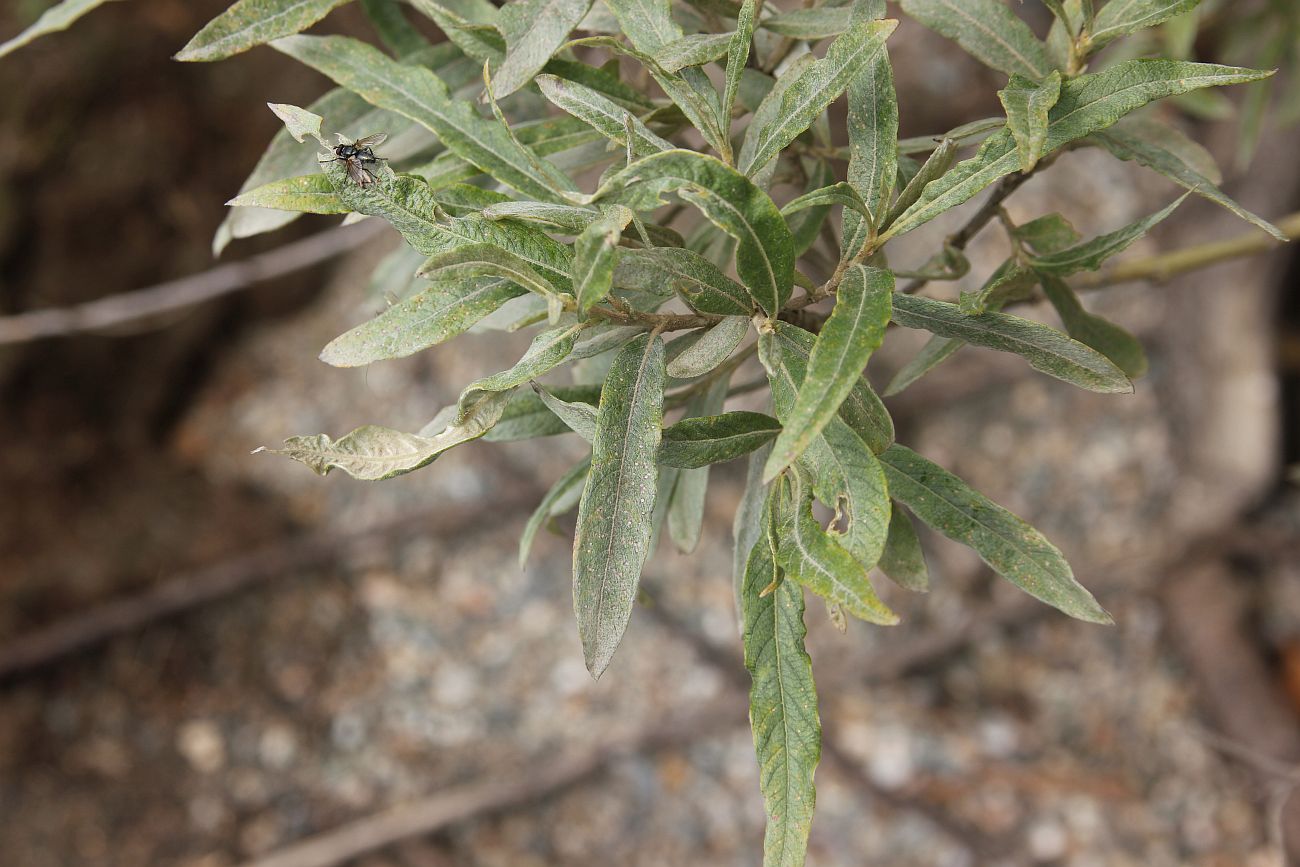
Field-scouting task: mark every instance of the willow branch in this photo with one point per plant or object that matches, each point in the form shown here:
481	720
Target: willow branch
143	305
1167	265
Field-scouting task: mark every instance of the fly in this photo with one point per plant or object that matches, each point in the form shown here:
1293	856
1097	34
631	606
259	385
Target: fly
358	156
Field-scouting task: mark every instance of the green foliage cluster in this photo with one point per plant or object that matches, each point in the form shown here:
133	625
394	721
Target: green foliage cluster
541	182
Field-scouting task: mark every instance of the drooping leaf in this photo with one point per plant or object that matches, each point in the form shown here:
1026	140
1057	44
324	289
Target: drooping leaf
56	18
782	700
1122	17
700	283
1088	104
1106	337
1090	255
747	527
562	497
701	441
534	30
903	562
372	453
988	31
249	23
419	94
714	346
840	193
1050	233
528	417
1014	549
810	24
853	332
442	311
603	115
808	554
614	517
594	253
1157	146
814	87
873	147
935	351
1027	104
308	194
1046	349
765	251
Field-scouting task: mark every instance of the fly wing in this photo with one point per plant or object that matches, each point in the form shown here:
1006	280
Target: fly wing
371	141
357	172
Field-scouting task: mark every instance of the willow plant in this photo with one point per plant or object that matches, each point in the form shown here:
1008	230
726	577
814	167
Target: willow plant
658	189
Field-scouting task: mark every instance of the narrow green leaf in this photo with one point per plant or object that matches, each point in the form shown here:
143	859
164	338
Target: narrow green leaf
594	254
1046	349
528	417
810	24
1050	233
846	476
934	167
807	554
603	81
578	416
1122	17
862	410
309	194
419	94
1106	337
747	527
988	31
1090	255
470	25
562	497
765	251
1011	282
1088	104
699	442
1027	104
392	28
534	30
603	115
1156	146
686	508
372	453
442	311
807	218
614	516
713	347
903	562
782	704
700	283
737	57
695	49
52	20
814	87
935	351
873	148
487	260
648	24
548	350
249	23
1015	550
854	331
840	193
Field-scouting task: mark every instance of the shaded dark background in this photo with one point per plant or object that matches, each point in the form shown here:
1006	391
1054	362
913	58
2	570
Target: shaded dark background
344	648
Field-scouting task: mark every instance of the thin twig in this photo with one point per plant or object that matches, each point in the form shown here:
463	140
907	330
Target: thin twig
141	305
506	792
184	592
